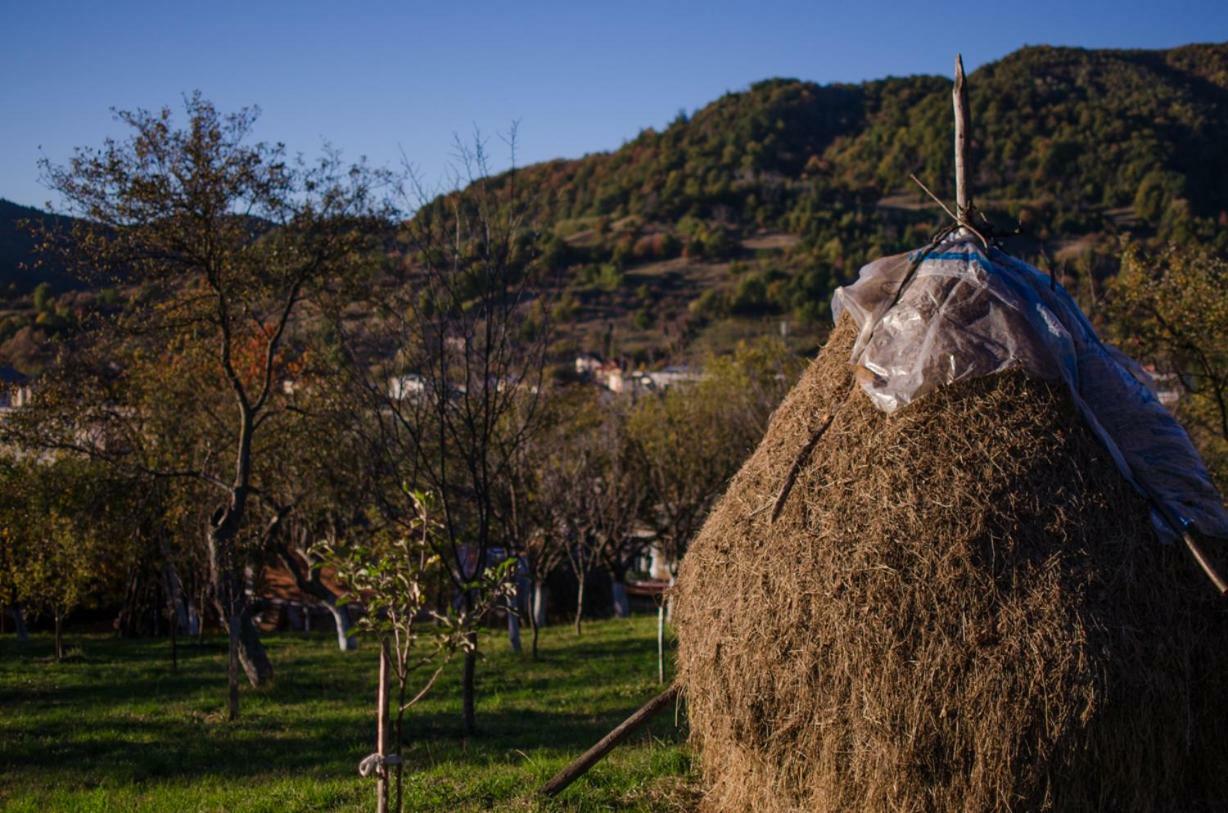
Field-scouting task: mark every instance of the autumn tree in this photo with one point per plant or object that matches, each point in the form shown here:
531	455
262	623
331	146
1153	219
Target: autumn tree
224	241
64	535
1170	308
693	437
616	500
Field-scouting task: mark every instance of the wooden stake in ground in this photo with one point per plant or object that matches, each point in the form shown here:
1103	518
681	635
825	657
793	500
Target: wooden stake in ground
590	757
959	97
381	732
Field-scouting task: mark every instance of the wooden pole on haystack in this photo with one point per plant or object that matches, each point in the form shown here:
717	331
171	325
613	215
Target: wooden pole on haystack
963	163
959	98
963	215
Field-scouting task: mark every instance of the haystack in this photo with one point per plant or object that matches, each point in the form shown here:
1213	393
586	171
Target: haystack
957	603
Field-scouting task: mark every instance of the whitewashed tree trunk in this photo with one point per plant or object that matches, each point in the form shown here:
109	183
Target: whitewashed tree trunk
513	627
539	603
618	592
308	580
194	625
19	623
174	591
580	604
341	622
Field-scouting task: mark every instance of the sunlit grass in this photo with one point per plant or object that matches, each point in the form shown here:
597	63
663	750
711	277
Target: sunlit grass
113	728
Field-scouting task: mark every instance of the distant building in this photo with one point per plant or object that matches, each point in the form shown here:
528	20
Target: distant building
615	378
587	365
15	389
671	376
409	385
1166	386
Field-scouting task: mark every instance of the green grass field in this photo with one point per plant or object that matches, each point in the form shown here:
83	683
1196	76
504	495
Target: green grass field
113	728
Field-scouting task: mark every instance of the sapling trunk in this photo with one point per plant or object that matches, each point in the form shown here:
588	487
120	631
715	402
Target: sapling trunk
539	603
618	593
580	605
232	669
468	685
513	627
534	615
19	623
59	636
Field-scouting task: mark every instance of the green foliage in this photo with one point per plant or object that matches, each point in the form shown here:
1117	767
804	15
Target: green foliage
693	437
68	533
42	296
1171	308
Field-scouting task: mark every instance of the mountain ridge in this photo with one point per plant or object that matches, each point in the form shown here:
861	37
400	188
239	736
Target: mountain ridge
751	210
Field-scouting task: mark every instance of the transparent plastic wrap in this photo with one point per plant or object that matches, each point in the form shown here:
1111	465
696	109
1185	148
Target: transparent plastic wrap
969	312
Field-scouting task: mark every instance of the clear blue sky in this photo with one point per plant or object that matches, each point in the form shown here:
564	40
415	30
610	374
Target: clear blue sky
374	78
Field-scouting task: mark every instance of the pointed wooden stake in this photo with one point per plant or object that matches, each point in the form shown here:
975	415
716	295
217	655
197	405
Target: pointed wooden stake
959	96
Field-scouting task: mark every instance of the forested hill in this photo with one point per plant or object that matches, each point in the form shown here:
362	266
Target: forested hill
749	212
1069	129
793	185
19	271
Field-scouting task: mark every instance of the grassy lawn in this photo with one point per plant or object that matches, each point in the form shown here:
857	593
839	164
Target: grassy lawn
113	728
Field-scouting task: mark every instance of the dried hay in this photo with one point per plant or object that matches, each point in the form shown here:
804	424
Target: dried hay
961	606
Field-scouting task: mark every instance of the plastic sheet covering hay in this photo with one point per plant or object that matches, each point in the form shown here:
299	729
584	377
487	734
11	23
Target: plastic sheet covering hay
967	313
960	605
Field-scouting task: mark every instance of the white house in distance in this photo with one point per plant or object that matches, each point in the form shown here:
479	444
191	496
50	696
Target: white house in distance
613	377
15	389
408	385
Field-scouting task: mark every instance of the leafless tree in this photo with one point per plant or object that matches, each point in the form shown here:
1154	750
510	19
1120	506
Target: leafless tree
463	330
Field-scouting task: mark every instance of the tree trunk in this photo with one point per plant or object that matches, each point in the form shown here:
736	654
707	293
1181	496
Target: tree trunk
341	622
252	654
539	603
618	592
59	636
309	582
468	686
580	604
19	623
535	614
232	670
661	642
398	732
232	607
513	625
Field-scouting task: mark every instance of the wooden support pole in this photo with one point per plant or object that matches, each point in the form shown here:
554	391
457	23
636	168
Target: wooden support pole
1191	544
590	757
959	97
661	642
381	732
1200	557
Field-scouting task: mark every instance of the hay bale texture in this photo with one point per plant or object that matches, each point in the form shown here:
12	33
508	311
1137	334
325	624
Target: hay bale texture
961	606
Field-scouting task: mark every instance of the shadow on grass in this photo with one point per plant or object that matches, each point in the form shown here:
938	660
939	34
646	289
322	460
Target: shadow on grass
138	751
122	716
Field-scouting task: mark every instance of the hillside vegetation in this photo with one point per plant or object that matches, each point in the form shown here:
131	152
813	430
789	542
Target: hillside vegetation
748	213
